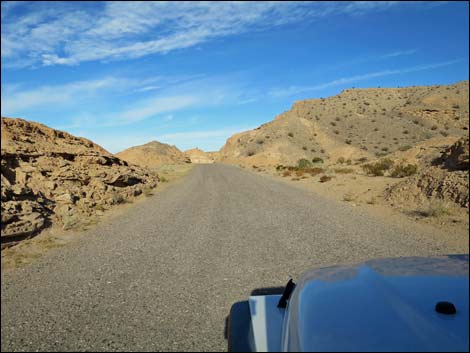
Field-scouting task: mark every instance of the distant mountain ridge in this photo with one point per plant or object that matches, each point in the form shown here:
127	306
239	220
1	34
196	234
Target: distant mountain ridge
153	154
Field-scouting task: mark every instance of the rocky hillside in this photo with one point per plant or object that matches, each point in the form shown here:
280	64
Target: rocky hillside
51	177
197	155
356	123
153	154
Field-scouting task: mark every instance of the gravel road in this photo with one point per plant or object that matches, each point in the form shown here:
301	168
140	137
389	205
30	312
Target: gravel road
164	274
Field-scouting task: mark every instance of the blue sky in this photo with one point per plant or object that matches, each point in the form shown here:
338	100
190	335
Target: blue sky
192	74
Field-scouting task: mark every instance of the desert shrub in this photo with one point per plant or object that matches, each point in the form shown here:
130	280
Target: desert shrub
255	166
341	160
372	201
378	168
286	173
344	170
317	160
406	132
304	163
348	141
299	172
348	162
304	148
260	142
147	190
434	127
404	148
279	167
401	171
290	134
456	106
250	153
325	178
444	133
362	160
348	197
163	179
336	132
437	208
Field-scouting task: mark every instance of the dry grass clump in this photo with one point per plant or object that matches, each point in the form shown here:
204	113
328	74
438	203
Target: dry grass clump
343	170
349	197
437	208
314	171
404	148
378	168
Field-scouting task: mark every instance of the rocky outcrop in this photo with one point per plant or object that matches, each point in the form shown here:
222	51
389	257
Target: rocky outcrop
51	177
446	179
456	157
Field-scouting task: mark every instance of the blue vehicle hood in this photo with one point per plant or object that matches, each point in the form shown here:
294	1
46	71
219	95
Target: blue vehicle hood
381	305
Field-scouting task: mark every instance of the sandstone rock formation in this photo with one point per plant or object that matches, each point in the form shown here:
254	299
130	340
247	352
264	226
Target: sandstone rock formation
51	177
153	154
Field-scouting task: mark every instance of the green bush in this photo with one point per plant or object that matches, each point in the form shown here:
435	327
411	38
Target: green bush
304	163
401	171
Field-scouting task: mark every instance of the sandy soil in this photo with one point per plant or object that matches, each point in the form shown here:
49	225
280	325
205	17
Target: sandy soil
367	193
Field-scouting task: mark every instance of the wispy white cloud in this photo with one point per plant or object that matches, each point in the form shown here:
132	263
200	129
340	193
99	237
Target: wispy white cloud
15	100
67	33
119	101
397	53
293	90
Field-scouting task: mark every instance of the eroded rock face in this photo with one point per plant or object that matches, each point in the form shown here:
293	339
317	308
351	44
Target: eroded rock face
51	177
447	179
456	157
